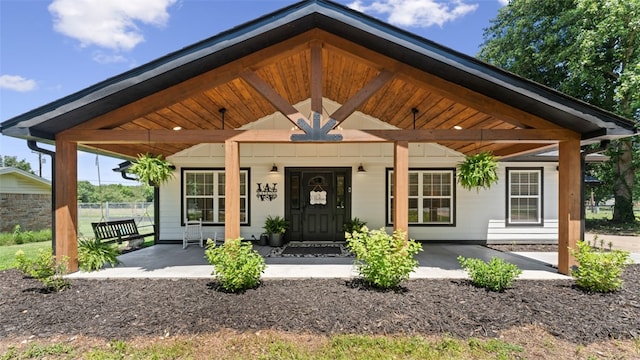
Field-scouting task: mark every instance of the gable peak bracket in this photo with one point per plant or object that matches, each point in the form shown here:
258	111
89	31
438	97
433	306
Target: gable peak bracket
315	132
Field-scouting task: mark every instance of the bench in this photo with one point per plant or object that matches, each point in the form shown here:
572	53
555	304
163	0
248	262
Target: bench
119	231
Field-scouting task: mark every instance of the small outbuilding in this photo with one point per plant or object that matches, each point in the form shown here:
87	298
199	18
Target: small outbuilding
25	200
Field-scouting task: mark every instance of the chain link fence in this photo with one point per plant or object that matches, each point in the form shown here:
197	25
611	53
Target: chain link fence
141	212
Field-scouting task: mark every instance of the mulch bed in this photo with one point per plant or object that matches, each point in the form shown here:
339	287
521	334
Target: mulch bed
118	309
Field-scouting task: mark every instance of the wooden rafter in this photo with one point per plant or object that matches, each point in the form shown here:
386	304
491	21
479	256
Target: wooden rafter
273	97
350	106
438	85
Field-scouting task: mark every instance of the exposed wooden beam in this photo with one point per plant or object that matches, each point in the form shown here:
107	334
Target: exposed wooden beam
364	94
437	85
198	84
349	135
522	149
273	97
66	203
316	77
569	204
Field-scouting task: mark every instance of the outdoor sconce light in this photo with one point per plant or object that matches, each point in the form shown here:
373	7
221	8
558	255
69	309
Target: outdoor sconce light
361	168
267	192
274	169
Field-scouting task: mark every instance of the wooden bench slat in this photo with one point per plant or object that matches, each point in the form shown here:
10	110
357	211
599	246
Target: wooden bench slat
118	230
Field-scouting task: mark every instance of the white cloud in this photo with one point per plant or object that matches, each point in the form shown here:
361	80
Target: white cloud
102	58
416	13
504	2
16	83
109	24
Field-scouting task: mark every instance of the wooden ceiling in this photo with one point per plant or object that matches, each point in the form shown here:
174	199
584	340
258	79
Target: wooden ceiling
347	72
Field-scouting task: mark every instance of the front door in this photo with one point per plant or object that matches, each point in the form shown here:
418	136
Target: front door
318	202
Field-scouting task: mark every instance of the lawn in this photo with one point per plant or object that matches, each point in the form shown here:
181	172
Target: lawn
7	253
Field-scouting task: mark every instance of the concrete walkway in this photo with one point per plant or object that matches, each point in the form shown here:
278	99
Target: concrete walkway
437	261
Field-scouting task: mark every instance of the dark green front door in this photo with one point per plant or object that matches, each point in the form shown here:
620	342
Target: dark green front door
318	202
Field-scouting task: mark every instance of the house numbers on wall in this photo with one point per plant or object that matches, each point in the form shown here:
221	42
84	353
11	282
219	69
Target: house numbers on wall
267	192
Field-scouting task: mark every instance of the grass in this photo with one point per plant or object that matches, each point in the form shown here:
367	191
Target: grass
521	343
8	253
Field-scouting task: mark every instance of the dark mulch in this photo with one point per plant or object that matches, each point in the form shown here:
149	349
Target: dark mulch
122	308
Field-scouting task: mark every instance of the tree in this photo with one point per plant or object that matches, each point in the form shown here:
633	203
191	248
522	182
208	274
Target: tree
589	49
12	161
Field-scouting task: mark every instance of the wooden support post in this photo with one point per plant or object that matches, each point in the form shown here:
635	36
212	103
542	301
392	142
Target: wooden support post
401	186
569	213
66	205
232	190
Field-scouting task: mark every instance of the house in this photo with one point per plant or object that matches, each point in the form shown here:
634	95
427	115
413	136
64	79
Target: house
25	200
279	116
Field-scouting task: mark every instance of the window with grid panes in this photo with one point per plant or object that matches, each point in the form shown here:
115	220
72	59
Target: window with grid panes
204	195
524	189
431	197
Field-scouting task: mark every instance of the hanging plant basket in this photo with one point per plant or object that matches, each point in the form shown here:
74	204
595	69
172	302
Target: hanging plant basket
152	170
478	171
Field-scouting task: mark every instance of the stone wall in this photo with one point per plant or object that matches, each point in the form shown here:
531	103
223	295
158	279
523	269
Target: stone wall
31	211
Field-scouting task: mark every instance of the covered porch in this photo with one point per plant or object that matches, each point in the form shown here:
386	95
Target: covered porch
437	261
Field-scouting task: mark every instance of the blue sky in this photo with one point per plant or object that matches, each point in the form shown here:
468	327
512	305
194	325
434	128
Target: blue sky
50	49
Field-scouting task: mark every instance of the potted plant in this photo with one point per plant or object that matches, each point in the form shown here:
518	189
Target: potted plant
478	171
152	170
275	226
354	224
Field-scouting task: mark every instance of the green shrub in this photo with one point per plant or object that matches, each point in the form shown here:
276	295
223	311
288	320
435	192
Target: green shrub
93	255
44	268
383	260
495	275
599	271
21	237
236	265
18	236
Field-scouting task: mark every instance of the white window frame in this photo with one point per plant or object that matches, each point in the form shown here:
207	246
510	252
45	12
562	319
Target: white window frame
215	194
539	196
421	196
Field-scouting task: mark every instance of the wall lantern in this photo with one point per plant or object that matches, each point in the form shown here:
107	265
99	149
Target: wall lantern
361	168
274	169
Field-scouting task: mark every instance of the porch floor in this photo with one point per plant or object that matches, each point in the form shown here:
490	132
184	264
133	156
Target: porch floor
437	261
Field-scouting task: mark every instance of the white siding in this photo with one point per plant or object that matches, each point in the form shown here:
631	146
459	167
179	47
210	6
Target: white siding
14	183
478	213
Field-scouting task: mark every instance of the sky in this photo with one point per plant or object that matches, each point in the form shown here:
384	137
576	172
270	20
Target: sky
50	49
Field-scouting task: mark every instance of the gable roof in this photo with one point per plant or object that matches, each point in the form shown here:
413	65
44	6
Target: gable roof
25	175
465	82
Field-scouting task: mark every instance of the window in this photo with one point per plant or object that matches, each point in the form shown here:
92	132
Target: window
431	197
524	196
204	195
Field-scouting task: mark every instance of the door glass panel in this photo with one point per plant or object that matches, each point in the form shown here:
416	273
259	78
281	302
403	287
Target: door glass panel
340	193
295	192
